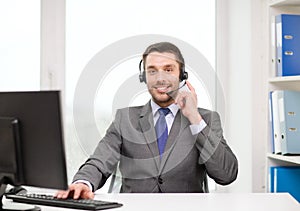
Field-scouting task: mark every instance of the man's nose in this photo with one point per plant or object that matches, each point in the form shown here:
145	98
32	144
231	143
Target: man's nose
161	75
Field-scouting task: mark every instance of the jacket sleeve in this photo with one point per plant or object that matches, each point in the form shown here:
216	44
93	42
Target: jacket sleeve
104	160
220	162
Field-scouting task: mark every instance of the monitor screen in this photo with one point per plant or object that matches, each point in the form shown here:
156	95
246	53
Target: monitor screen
32	119
11	169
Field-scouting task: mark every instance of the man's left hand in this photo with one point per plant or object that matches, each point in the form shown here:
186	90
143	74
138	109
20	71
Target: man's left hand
187	102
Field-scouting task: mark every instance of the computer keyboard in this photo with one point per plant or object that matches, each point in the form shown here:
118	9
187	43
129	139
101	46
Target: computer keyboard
49	200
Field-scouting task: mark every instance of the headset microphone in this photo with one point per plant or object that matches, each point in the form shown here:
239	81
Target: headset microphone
175	90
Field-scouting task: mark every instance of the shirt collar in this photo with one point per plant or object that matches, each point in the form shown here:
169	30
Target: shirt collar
173	108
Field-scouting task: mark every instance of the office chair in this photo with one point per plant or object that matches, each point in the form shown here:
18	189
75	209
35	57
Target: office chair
205	184
116	181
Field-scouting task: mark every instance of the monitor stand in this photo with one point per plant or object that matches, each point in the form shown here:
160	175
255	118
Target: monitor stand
14	206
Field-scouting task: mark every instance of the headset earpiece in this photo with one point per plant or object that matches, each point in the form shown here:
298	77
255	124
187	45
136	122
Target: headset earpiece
142	75
183	74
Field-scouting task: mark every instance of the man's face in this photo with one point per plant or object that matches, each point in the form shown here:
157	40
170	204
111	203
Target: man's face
162	75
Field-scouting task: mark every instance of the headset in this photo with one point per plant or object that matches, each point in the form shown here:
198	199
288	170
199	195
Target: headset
142	76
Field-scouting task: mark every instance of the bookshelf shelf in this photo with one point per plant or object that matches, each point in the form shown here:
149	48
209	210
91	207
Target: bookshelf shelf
288	83
278	3
285	79
291	159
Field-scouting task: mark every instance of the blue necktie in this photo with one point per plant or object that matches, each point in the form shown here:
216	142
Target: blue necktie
161	129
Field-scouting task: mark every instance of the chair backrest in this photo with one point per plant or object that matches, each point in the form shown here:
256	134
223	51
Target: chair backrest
205	185
116	181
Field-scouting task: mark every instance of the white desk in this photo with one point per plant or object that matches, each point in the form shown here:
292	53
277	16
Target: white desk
204	202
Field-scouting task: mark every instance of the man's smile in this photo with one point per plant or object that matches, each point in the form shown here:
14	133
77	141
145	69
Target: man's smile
162	88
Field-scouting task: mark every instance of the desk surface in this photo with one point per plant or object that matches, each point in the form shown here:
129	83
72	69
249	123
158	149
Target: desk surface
205	202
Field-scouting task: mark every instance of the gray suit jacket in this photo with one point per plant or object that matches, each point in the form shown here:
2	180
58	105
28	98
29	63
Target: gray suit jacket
131	141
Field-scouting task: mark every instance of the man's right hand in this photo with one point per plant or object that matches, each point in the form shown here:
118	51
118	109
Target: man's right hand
76	191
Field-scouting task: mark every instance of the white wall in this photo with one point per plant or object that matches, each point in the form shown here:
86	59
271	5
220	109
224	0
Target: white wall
234	70
241	58
259	61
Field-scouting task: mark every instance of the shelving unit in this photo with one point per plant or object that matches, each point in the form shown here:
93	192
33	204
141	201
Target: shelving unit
280	83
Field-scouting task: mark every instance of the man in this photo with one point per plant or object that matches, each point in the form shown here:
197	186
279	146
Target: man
167	145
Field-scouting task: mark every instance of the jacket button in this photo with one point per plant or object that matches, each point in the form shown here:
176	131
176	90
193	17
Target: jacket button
160	180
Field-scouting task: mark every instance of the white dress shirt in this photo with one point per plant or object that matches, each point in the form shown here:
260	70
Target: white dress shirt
195	129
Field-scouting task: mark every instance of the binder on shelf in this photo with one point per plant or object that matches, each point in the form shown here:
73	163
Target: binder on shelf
285	179
289	118
288	44
276	133
273	64
271	128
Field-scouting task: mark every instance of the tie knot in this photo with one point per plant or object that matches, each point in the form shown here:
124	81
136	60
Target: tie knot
163	111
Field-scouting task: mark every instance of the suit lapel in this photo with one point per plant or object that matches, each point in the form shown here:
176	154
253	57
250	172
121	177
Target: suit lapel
179	124
147	127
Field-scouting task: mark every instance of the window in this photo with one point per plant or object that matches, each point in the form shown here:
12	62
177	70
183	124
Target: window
20	45
104	42
94	27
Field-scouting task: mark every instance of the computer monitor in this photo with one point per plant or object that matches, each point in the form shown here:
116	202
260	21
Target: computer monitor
31	140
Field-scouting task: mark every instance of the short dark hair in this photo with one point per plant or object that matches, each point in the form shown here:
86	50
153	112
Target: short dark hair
163	47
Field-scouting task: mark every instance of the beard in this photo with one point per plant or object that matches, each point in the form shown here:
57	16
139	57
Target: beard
160	92
166	100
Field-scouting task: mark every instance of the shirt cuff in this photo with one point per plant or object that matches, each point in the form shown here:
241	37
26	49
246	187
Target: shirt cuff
195	129
84	182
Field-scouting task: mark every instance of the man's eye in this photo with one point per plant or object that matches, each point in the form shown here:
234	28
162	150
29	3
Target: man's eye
151	71
168	70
